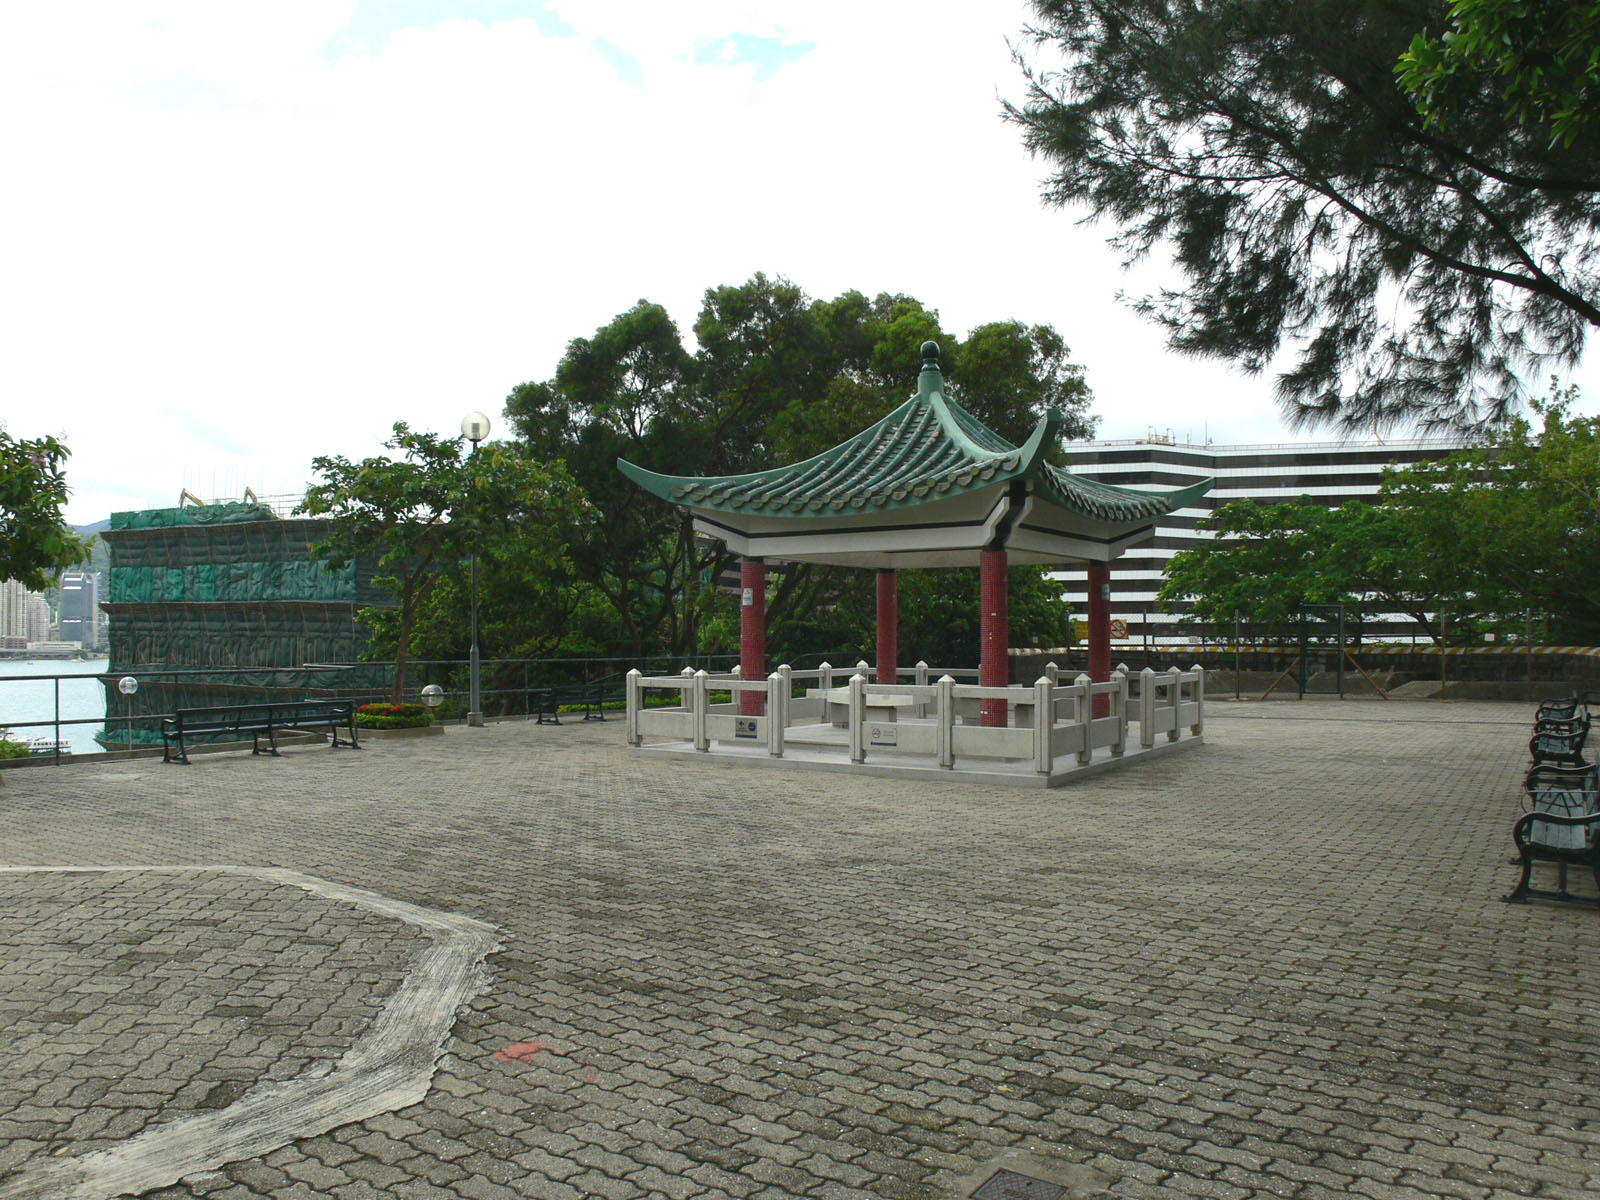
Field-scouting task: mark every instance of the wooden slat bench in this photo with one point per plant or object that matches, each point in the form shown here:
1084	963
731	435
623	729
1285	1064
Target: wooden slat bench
238	721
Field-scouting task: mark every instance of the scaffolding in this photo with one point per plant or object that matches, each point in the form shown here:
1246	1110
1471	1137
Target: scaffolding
231	587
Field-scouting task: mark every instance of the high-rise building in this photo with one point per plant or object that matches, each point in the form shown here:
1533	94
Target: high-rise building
80	608
38	618
1330	472
14	609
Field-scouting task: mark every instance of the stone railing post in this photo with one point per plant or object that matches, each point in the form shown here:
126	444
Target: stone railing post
1085	718
1052	672
1043	755
922	672
1175	676
635	703
865	670
825	676
1120	746
1199	700
947	721
702	705
777	711
858	713
1147	708
787	672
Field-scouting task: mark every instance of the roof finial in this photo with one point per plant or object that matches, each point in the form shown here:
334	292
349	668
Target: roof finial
929	380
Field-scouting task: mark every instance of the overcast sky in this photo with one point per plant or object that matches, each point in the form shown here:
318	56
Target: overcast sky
238	236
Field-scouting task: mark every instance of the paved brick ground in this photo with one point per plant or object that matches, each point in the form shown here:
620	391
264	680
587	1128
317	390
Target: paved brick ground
1274	966
126	996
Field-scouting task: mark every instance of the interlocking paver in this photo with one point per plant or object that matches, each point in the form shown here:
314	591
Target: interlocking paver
1275	965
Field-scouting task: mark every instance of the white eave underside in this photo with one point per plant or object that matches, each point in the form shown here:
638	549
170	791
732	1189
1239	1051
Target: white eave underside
950	533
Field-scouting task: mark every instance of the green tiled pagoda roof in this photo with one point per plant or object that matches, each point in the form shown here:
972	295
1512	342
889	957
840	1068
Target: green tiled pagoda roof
928	449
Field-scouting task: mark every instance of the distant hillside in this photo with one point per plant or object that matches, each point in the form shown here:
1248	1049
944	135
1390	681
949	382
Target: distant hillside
99	552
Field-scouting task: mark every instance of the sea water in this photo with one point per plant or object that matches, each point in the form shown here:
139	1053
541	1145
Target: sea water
34	699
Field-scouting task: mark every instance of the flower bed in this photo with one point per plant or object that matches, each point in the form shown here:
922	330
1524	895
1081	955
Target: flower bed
393	716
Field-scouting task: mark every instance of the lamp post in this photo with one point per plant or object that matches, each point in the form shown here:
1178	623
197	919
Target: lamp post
474	427
128	686
432	696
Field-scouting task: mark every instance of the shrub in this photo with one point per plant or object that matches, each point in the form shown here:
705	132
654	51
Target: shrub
10	749
393	716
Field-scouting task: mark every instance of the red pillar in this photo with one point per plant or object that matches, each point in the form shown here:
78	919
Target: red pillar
888	624
752	631
994	667
1100	631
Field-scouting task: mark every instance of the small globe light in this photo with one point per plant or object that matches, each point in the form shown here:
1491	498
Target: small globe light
433	695
127	685
474	427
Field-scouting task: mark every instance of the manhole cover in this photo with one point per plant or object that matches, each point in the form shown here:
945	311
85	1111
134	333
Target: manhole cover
1008	1185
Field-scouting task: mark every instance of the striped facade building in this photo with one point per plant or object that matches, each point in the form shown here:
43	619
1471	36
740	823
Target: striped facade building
1332	472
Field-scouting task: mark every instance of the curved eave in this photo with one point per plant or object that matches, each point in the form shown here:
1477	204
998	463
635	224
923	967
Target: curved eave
959	457
656	485
1108	502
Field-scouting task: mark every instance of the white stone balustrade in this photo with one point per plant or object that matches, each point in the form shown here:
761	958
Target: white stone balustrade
1050	723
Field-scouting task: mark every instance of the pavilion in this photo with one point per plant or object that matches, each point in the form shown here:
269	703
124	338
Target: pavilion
929	485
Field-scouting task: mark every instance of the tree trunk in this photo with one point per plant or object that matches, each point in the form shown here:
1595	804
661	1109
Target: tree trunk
402	649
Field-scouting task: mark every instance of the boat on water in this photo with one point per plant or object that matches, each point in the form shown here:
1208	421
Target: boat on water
45	745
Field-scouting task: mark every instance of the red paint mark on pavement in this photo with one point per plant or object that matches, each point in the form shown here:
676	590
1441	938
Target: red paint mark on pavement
522	1051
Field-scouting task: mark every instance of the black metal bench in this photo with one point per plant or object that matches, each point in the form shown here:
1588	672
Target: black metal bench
237	721
548	701
1559	741
1562	828
1566	709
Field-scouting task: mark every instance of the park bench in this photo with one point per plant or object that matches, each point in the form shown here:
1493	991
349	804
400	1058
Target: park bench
1567	709
234	722
548	701
1562	827
1559	741
592	695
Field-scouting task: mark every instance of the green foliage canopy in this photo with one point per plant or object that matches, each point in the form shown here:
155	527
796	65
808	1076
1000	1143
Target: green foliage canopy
423	511
1396	272
1266	560
1543	54
35	543
776	377
1492	537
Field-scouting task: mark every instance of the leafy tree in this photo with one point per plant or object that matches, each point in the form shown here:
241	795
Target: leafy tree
1008	374
1266	560
1545	53
621	393
777	377
1511	527
1407	273
35	543
422	512
1490	536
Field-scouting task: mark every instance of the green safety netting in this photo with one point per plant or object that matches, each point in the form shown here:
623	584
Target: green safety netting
235	581
229	588
203	514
